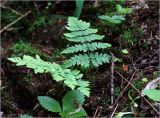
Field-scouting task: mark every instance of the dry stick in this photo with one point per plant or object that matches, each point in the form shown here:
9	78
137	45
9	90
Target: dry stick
114	111
139	93
112	80
123	91
15	21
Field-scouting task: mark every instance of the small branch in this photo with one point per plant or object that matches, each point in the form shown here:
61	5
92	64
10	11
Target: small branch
112	79
139	93
15	21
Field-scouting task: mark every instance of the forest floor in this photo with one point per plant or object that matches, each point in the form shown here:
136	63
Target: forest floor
43	29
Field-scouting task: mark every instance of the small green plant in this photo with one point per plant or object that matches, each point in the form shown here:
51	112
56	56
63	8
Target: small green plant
82	34
123	11
133	103
23	48
125	51
128	36
116	19
38	23
71	78
71	105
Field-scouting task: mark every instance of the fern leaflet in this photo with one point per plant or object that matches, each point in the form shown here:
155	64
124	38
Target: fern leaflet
87	46
86	60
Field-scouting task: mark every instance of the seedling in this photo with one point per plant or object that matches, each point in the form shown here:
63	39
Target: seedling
71	105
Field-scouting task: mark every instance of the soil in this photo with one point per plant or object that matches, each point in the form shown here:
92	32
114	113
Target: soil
20	86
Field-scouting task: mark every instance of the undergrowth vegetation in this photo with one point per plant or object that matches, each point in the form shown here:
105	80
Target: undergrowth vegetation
85	59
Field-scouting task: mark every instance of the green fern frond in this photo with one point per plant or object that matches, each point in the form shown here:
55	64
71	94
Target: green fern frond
86	46
87	39
86	60
70	78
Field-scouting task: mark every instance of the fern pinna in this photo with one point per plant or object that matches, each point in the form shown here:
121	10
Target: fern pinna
87	45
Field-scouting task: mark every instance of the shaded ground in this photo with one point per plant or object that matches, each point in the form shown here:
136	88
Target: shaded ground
20	86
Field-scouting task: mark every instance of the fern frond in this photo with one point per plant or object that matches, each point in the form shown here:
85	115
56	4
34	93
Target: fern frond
80	32
85	60
86	46
70	78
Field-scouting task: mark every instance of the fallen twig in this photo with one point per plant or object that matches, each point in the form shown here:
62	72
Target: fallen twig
140	94
15	21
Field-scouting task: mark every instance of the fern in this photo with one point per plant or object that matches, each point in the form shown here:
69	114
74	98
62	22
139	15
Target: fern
71	78
87	39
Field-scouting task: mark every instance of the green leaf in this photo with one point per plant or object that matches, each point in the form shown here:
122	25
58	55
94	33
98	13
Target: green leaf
116	19
125	51
152	94
49	104
79	6
122	10
70	98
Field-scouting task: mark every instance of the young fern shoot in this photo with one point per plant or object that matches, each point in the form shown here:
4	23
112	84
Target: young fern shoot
86	45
